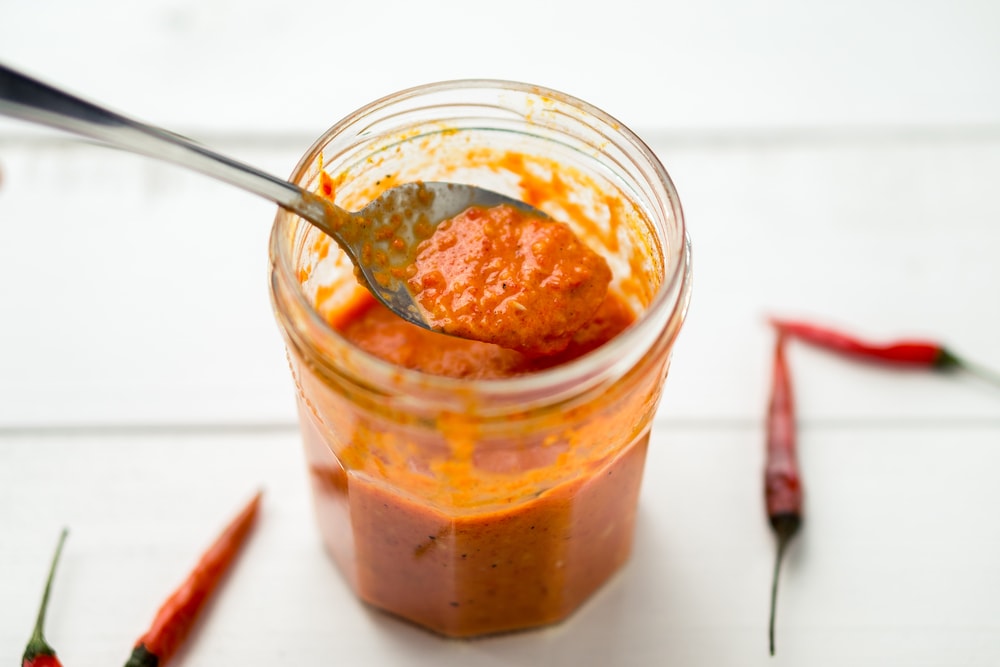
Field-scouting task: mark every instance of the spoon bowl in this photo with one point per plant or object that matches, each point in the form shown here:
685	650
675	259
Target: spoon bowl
380	239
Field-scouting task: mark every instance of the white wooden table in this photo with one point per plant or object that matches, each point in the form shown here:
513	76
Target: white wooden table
838	161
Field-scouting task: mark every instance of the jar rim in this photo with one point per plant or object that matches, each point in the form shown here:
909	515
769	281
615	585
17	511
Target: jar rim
664	313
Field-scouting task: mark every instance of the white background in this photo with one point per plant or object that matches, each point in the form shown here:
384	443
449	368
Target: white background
837	161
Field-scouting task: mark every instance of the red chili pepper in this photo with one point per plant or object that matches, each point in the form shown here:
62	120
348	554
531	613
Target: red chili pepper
178	614
912	353
782	482
38	653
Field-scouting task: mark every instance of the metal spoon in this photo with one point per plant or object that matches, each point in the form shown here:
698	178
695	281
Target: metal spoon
411	210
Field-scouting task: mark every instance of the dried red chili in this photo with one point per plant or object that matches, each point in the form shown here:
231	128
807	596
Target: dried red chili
178	614
782	481
911	353
38	653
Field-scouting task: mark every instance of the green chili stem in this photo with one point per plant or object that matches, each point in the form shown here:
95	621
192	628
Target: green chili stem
949	360
782	544
785	527
37	644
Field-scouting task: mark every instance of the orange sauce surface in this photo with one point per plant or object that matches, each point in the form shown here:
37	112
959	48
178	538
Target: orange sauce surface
380	332
502	276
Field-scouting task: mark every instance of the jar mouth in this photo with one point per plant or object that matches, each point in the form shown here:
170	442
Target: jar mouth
657	324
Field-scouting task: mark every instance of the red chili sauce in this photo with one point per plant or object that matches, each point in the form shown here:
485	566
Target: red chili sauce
502	276
427	547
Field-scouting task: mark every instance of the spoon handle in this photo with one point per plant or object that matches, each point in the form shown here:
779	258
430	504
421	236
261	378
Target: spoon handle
27	99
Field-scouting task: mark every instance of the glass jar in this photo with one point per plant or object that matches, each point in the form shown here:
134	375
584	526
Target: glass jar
472	507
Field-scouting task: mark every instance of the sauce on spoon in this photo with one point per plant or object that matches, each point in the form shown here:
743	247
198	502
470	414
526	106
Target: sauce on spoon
499	275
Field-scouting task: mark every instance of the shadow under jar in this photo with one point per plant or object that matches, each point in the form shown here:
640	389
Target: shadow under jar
478	506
